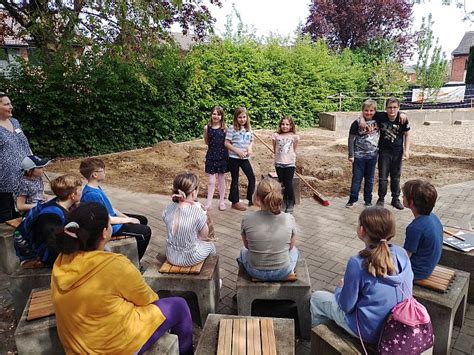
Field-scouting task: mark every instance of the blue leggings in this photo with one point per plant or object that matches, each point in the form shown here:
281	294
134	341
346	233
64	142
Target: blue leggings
178	321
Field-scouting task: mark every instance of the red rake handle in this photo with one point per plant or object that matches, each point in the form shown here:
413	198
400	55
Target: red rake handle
318	196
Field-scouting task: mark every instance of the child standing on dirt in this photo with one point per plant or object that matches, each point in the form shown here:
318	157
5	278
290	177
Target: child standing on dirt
31	189
424	235
239	142
363	151
217	156
285	142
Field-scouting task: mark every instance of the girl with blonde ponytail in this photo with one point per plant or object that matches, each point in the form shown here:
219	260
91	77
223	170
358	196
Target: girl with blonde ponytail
269	236
372	282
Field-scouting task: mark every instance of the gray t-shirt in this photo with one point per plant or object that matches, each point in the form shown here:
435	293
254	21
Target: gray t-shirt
268	237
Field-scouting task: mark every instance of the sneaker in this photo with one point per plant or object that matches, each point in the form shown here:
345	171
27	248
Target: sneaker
380	202
207	207
222	206
290	208
397	204
238	206
349	204
368	204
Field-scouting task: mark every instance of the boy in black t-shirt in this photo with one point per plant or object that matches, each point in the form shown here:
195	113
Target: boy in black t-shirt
394	146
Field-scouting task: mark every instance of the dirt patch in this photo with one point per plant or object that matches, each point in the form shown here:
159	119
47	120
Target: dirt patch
322	160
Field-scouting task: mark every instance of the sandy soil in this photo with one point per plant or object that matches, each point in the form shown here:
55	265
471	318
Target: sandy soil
322	160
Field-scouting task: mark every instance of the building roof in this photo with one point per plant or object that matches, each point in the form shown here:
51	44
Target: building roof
466	43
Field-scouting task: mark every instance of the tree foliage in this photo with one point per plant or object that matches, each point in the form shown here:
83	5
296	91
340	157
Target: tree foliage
353	24
61	24
431	67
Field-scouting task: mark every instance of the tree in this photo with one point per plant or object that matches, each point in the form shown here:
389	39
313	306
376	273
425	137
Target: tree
53	24
353	24
470	67
431	67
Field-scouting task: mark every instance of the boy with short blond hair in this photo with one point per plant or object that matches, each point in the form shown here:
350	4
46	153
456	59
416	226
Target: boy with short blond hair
424	235
50	220
93	169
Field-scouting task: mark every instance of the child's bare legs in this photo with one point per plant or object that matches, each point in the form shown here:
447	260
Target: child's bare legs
210	190
221	186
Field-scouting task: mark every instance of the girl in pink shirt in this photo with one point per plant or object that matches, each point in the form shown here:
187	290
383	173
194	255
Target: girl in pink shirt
285	141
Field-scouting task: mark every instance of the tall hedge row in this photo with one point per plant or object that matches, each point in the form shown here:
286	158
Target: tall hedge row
105	103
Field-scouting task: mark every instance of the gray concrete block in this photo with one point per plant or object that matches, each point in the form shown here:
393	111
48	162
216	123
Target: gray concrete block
127	247
38	336
166	345
456	259
22	281
330	339
298	291
445	309
8	259
204	285
284	334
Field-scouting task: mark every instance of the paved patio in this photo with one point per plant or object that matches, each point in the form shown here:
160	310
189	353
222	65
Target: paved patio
326	237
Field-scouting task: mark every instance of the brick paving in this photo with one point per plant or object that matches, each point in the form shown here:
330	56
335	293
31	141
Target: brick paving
326	237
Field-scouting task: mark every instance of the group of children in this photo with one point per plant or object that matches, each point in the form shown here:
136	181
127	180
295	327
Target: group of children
381	271
230	149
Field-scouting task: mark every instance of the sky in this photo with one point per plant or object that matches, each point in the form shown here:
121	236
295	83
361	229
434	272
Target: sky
283	16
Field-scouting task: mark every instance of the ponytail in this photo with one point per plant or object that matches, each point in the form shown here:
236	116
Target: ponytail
379	226
84	229
183	185
269	195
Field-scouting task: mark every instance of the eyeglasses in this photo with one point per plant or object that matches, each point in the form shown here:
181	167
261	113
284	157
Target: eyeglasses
392	107
99	171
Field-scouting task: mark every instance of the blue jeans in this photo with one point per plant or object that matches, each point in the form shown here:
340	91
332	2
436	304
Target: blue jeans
324	307
268	275
363	169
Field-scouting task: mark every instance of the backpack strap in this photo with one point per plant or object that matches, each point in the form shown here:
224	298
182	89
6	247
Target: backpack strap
358	332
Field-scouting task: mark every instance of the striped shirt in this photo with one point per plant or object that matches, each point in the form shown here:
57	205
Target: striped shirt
239	139
185	248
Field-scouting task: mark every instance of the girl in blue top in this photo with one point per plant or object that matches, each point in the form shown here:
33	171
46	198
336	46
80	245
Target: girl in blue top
216	156
239	141
372	281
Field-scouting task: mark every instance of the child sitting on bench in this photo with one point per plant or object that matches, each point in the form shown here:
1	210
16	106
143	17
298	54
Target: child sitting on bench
133	225
269	236
424	235
372	283
188	242
102	303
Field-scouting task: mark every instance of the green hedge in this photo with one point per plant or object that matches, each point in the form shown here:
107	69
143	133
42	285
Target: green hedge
106	103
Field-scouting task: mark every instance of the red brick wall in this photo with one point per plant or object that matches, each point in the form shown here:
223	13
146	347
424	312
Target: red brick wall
458	67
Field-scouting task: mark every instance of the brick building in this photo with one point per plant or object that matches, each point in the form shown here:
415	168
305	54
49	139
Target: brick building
459	57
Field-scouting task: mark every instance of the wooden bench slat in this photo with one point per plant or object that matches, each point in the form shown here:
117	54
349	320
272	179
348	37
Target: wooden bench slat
431	285
40	313
443	274
41	293
165	267
224	344
175	269
41	305
239	337
196	269
443	270
268	337
14	223
254	345
185	269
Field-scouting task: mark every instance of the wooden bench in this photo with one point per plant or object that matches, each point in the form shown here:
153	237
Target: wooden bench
40	305
14	223
439	281
212	334
168	268
251	336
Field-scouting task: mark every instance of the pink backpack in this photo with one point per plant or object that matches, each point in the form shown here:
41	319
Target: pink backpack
407	330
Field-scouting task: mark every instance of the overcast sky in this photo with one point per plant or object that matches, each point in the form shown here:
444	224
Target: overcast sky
283	16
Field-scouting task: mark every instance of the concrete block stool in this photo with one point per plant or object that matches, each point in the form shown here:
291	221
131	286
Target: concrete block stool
8	259
127	247
166	345
37	336
298	291
456	259
330	339
204	285
22	281
283	328
445	309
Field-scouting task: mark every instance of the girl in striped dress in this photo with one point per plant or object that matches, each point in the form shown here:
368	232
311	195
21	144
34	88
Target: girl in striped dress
187	241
